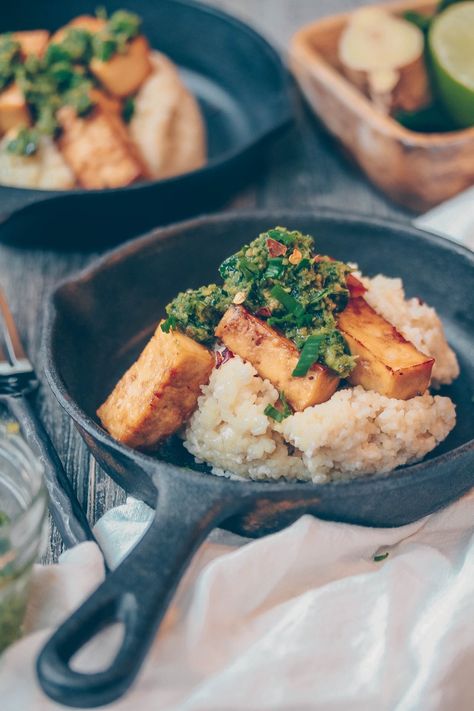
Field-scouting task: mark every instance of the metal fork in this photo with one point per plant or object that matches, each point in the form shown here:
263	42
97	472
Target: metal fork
18	382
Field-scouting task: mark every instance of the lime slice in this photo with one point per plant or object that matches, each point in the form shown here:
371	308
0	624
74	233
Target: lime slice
451	46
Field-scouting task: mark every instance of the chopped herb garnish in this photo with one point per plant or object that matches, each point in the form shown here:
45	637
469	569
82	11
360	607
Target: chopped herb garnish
275	268
319	296
9	57
168	324
248	269
300	298
120	29
279	415
380	556
288	301
283	236
304	264
309	355
25	143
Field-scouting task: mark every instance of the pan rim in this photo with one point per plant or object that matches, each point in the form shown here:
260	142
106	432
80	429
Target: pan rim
422	471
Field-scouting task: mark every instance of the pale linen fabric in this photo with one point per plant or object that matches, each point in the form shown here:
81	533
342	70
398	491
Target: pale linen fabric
304	619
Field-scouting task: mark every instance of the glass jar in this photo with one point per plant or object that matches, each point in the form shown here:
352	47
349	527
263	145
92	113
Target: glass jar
23	506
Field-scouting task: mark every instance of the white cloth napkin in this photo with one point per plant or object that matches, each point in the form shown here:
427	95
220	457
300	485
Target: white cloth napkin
453	218
301	620
304	620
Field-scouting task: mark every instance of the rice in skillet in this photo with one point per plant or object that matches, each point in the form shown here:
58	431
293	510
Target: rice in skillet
354	433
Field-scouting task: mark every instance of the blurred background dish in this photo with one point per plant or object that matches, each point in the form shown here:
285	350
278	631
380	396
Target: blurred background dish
242	89
375	79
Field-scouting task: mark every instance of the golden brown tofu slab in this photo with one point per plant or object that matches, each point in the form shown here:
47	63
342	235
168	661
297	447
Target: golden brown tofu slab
387	362
32	41
98	148
274	357
123	74
159	392
13	109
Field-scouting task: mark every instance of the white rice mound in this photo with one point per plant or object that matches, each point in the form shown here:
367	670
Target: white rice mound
355	433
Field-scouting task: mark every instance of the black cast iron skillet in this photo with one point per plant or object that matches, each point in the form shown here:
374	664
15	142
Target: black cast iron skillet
98	322
242	88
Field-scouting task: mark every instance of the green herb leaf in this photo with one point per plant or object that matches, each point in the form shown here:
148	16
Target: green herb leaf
319	296
380	556
289	302
275	268
74	48
124	23
279	415
282	236
309	355
79	97
9	58
304	264
168	324
104	47
25	143
248	269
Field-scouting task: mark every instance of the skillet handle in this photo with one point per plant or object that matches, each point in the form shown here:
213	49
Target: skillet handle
136	594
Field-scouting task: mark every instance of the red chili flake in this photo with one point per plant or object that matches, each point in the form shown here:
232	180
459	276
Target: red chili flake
223	356
275	249
355	286
263	311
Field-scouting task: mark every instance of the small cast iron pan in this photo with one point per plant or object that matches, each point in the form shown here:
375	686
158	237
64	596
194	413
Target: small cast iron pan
242	88
98	322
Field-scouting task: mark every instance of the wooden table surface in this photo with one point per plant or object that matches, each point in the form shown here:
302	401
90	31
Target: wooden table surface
304	169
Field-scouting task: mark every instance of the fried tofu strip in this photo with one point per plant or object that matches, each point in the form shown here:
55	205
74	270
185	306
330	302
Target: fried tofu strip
159	392
13	109
98	149
274	357
387	362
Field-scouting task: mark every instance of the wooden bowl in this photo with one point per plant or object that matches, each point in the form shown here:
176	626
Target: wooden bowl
417	170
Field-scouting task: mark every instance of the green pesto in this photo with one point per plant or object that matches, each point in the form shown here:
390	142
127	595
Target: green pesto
9	56
62	77
13	593
299	300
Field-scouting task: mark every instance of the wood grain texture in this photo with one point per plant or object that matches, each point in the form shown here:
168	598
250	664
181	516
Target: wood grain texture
305	169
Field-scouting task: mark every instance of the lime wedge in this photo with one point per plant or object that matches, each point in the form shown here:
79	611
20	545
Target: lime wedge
451	47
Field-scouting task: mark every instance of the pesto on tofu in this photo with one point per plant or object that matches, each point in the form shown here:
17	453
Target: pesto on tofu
62	76
278	278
